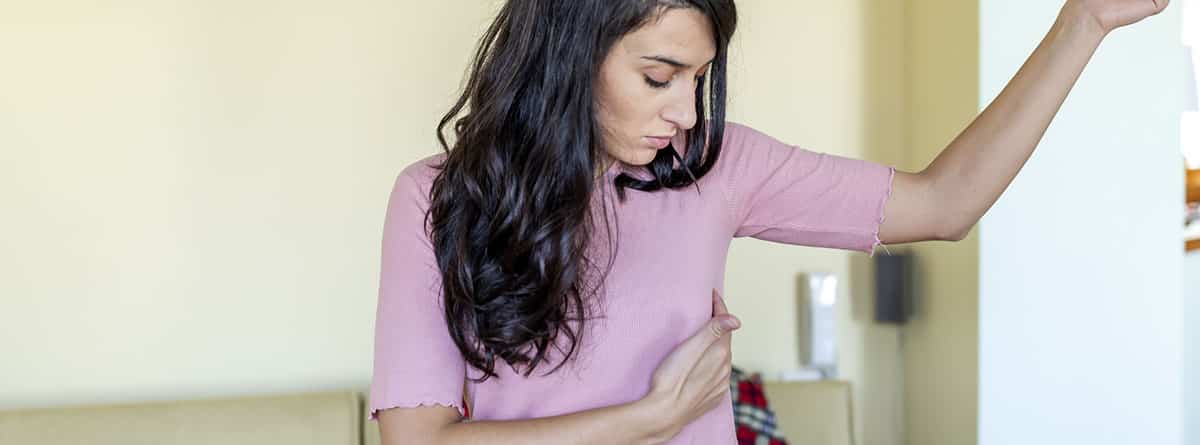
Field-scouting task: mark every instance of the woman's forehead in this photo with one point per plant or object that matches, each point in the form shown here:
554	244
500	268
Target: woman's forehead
682	35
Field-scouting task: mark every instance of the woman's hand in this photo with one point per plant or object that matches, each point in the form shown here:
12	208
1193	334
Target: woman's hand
694	378
1103	16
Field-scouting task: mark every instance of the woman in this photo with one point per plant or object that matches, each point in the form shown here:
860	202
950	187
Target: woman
563	256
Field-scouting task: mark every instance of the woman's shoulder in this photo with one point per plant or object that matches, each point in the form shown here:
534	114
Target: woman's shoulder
739	136
424	170
742	144
412	185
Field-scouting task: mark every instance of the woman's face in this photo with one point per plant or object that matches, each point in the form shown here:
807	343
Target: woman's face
647	84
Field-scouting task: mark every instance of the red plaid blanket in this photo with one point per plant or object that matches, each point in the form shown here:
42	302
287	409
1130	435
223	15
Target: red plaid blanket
752	416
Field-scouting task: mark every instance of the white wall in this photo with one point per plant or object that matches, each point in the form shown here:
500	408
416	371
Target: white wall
1191	262
1080	297
1191	344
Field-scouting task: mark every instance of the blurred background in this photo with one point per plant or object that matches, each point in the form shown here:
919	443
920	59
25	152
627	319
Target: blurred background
193	192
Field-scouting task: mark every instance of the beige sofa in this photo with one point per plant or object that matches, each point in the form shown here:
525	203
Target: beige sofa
809	413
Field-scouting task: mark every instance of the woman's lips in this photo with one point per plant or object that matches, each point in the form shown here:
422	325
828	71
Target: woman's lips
658	142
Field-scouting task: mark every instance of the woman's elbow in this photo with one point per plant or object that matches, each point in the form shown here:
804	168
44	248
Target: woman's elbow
956	232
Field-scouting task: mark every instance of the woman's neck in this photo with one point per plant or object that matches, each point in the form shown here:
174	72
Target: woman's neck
601	168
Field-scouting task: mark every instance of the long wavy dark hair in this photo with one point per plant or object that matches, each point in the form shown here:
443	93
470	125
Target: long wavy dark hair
510	211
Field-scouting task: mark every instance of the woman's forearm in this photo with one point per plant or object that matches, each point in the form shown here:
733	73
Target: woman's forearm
971	173
631	423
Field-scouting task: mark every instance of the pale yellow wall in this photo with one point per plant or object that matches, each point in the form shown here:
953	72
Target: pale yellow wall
198	188
940	348
826	76
193	191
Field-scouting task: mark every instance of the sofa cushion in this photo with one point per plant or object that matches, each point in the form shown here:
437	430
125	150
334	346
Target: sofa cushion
330	418
812	412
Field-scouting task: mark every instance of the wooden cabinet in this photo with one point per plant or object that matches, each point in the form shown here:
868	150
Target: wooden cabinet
1193	186
1193	195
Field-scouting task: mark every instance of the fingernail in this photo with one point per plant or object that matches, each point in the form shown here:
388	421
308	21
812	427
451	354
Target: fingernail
729	324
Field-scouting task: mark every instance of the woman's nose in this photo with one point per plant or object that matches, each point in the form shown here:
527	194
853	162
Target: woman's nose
682	110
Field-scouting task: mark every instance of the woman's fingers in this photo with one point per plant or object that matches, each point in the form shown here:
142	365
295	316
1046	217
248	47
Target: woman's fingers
720	311
718	304
706	338
717	328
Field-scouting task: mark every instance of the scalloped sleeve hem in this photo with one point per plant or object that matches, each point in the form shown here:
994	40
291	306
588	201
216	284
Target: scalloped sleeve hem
882	212
377	406
403	390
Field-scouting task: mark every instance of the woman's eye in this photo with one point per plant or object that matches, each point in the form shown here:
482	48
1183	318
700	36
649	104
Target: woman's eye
656	84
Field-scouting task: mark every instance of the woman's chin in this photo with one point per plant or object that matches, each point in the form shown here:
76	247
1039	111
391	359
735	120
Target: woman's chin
641	157
636	157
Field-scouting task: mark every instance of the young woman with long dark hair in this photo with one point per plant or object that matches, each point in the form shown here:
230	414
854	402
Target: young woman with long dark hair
558	266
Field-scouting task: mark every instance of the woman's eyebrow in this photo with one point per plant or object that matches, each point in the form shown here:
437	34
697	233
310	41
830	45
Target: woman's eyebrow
670	61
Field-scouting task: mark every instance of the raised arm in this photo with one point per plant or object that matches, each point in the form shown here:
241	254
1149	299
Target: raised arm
946	199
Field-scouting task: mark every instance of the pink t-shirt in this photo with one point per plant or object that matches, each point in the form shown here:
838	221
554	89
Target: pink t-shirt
671	254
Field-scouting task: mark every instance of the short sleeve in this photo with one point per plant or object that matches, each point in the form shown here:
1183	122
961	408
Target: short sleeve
416	362
791	195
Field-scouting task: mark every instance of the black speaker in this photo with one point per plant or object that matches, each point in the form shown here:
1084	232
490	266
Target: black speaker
893	288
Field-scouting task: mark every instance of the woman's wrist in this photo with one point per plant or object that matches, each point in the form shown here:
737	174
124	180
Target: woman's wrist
654	419
1076	21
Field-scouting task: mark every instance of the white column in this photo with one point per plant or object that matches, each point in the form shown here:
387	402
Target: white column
1081	327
